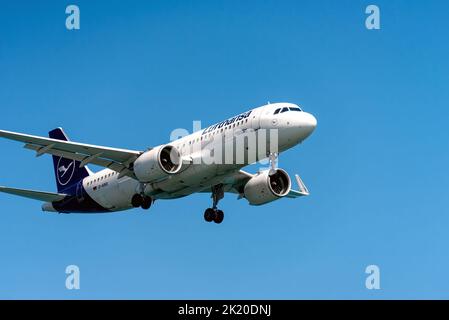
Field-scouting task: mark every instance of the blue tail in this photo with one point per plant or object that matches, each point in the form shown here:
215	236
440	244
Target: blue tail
68	172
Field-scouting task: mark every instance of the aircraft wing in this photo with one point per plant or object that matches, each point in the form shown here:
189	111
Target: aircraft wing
236	182
118	160
35	195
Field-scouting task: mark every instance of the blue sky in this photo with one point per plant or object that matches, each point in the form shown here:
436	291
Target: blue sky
376	165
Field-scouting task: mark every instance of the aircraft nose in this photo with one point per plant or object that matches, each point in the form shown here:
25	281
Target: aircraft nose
309	122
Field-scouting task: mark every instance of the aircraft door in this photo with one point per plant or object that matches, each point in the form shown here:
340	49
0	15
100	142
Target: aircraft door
255	118
266	118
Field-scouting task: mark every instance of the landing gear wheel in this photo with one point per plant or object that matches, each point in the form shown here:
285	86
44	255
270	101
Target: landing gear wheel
214	214
219	216
146	204
137	200
209	215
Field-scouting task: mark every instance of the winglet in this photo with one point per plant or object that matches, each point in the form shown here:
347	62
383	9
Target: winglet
302	187
302	192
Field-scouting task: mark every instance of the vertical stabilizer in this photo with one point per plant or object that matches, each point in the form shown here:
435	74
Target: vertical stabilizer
67	171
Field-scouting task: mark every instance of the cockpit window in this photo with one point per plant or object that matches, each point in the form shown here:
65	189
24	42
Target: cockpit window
285	109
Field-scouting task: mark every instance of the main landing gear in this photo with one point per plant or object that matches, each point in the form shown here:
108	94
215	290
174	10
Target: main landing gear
139	200
214	214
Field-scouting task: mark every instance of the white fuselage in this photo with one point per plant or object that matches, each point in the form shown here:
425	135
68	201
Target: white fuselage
292	127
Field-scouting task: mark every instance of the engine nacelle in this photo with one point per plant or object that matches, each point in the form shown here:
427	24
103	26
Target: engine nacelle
265	188
157	163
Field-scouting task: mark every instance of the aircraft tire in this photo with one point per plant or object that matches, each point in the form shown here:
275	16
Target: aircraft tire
209	215
147	201
137	200
219	217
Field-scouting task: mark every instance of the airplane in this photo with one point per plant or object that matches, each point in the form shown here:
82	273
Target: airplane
133	179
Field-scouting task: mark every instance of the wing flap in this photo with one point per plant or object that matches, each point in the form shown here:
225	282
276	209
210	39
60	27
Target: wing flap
35	195
120	155
106	163
116	159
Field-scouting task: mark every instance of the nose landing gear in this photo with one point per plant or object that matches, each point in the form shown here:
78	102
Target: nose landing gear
214	214
273	158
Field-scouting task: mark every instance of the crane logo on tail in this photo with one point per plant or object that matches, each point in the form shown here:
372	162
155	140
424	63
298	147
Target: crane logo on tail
65	171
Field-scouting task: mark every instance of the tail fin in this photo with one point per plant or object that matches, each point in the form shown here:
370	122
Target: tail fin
67	171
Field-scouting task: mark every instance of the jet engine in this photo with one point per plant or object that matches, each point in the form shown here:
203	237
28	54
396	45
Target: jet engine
157	163
264	188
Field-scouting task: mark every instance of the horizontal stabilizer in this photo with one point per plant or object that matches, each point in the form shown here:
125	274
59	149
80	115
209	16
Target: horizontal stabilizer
35	195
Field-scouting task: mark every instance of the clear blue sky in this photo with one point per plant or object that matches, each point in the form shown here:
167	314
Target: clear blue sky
377	165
